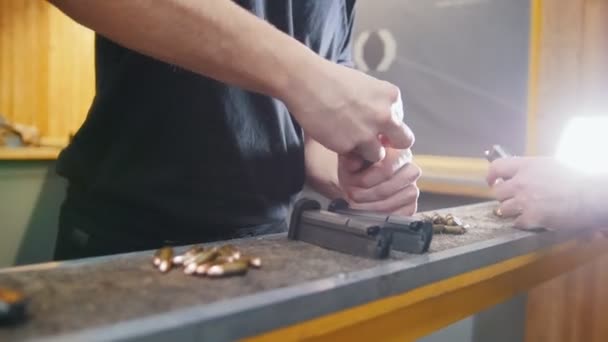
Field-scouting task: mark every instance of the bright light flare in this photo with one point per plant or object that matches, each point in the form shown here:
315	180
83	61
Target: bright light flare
584	144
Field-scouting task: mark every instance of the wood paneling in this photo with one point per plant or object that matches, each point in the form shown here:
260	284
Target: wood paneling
573	77
560	67
573	66
22	44
71	74
594	76
571	307
46	68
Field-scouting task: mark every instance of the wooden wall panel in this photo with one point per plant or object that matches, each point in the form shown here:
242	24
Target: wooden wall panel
573	76
21	46
559	74
573	66
594	77
71	74
570	308
46	68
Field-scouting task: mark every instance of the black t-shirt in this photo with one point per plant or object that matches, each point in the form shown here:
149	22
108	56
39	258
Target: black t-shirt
166	152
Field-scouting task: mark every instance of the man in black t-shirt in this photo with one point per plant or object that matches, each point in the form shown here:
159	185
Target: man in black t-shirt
210	115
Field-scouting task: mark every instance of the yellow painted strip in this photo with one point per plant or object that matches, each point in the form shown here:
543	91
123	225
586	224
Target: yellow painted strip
450	175
533	75
418	312
29	153
472	168
447	188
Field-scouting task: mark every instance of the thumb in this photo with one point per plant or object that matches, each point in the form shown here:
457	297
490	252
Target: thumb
396	131
372	151
504	168
351	162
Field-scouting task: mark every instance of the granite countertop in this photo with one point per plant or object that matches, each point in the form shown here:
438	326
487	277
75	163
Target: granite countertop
95	293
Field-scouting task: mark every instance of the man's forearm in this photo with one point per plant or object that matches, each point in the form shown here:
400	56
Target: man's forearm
322	169
215	38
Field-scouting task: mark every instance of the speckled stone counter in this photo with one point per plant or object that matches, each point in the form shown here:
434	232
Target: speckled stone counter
124	297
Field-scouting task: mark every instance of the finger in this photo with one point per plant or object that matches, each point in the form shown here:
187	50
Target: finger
397	108
351	162
510	208
504	168
404	177
402	200
408	210
503	190
526	222
398	134
371	151
383	171
384	140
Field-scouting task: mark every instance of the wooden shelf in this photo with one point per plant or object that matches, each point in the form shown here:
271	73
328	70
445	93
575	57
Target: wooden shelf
29	153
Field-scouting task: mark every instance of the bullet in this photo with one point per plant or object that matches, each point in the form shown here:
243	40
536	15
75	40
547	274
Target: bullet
238	267
230	251
201	258
452	220
156	258
444	229
438	219
163	259
202	269
220	259
252	261
182	259
13	306
498	212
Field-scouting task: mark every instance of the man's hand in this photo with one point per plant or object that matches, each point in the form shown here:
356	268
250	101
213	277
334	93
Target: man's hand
387	186
348	111
541	193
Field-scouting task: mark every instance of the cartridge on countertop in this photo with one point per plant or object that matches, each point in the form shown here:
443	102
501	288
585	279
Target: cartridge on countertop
163	259
186	257
12	306
202	258
448	224
255	262
238	267
447	229
229	252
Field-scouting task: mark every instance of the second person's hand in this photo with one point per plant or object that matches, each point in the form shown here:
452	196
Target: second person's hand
542	193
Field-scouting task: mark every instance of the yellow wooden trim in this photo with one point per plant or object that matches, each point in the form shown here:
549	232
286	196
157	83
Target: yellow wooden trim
417	313
453	175
29	153
472	168
446	188
533	75
56	142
